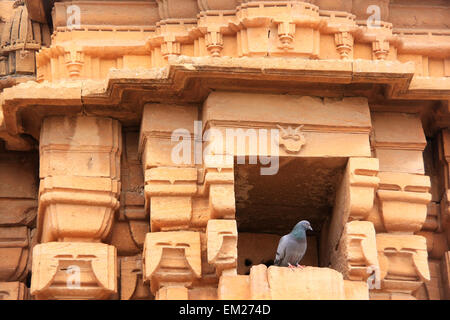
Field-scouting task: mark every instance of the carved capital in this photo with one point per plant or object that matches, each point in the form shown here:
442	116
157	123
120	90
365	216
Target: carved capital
380	48
286	33
214	43
131	283
344	44
222	245
403	200
356	256
171	259
403	262
74	270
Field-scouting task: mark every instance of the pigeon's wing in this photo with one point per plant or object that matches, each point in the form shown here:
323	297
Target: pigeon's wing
281	250
295	250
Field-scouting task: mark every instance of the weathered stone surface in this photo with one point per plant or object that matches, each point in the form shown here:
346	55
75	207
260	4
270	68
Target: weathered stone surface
339	111
403	201
131	282
222	245
13	291
356	256
403	262
74	270
280	283
171	258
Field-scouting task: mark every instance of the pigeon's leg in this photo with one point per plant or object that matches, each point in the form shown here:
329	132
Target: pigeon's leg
300	266
290	266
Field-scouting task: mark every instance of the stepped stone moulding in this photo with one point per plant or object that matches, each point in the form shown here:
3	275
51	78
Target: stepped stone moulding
76	208
80	171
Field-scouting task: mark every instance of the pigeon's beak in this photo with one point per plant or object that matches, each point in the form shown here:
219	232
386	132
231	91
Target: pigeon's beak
309	228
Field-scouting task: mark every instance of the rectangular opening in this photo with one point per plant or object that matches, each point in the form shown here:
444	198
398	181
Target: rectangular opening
269	206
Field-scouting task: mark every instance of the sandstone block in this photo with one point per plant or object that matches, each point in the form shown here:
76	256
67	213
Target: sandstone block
171	258
222	244
403	262
74	270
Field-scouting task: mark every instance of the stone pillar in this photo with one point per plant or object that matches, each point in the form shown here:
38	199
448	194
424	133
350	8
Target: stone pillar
18	207
78	196
400	209
351	247
193	237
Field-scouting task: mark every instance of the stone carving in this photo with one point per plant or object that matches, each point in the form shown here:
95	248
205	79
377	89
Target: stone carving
354	198
222	245
171	259
131	282
14	247
344	44
403	200
403	262
69	270
292	139
359	89
356	256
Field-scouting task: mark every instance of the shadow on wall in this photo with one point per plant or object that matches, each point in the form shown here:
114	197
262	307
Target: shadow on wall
260	248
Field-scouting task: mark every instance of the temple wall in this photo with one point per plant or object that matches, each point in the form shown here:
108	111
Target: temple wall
162	152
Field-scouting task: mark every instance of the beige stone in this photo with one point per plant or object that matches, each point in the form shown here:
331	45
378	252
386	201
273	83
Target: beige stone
74	270
403	262
131	283
403	200
15	246
356	256
222	245
13	291
356	290
354	198
171	258
360	114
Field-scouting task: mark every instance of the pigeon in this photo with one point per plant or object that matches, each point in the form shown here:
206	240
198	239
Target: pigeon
292	247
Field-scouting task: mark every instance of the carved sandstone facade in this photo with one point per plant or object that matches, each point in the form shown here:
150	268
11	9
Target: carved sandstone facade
160	153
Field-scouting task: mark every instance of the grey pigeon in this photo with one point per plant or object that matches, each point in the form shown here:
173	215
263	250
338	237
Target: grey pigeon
292	247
